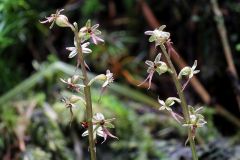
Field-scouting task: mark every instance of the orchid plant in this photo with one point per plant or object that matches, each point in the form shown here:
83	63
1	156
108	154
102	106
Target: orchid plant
96	125
191	118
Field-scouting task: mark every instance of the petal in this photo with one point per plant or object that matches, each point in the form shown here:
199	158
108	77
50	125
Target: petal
198	109
100	132
99	39
175	99
85	133
169	109
83	29
158	57
196	71
99	116
94	39
162	108
70	48
86	50
94	27
105	84
174	115
150	63
72	54
150	80
162	27
97	32
161	102
148	32
84	45
152	38
62	80
194	65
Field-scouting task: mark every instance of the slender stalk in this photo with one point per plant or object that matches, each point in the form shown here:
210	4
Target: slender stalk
225	43
87	94
184	105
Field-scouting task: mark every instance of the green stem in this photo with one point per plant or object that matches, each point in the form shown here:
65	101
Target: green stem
87	94
184	105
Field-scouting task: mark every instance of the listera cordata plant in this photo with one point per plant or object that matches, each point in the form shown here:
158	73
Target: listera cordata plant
96	125
191	118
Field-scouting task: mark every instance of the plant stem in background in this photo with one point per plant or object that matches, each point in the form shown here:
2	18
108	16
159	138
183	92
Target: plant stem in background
226	47
87	94
184	105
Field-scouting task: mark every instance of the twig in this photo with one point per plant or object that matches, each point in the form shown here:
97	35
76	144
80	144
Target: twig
225	43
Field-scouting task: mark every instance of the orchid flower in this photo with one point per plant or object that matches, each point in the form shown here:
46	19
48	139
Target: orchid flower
156	65
70	103
58	18
196	121
189	72
92	32
170	101
73	50
100	125
72	83
158	35
166	105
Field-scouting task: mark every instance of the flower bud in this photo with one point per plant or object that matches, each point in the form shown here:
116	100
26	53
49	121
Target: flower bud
162	68
101	77
186	71
73	99
62	21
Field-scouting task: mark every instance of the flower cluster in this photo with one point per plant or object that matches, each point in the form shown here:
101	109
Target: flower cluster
162	39
79	50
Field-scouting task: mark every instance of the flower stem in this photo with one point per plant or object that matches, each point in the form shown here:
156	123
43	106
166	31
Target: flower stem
87	94
184	105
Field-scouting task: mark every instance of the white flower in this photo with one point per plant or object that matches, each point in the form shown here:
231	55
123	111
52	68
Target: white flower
109	78
72	83
92	32
188	71
196	120
97	131
58	18
158	35
100	126
168	103
74	49
156	65
98	117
